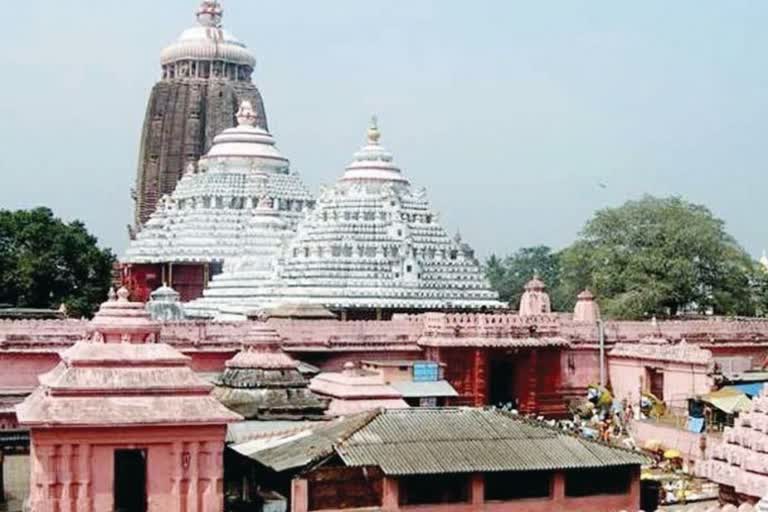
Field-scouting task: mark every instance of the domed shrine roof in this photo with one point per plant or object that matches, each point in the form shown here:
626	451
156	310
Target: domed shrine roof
264	383
224	200
586	310
208	41
535	300
354	390
370	242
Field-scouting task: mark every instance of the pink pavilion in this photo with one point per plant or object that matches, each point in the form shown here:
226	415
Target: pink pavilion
123	423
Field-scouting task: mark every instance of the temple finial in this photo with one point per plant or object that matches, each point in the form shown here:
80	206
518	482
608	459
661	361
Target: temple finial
123	294
209	14
112	295
246	116
373	131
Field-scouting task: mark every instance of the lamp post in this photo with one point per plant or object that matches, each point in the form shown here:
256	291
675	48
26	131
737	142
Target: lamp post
601	341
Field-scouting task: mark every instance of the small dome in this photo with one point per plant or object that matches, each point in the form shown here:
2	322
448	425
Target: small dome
247	141
267	358
535	284
208	41
586	309
164	294
120	320
535	300
373	162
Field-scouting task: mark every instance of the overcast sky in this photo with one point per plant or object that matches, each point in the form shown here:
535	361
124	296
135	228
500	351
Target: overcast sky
520	118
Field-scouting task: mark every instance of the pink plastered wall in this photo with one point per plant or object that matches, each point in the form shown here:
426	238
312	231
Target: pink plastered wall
334	361
690	444
580	367
19	370
209	362
72	470
681	381
558	501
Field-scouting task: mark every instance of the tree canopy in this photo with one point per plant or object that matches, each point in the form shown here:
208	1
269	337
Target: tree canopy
45	262
652	256
660	256
509	276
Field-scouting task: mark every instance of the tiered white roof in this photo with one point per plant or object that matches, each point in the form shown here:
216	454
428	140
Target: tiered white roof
210	214
370	242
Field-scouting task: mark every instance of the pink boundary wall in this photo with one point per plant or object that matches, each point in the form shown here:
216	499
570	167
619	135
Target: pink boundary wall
557	502
31	348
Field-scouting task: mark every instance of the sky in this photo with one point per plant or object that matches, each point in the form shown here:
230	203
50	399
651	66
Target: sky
520	118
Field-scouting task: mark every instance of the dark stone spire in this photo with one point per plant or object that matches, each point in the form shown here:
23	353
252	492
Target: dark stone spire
206	74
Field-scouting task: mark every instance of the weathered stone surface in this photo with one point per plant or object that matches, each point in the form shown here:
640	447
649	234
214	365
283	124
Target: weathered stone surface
196	99
264	383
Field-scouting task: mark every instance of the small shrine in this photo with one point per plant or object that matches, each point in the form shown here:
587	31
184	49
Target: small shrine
355	390
535	299
123	423
264	383
587	309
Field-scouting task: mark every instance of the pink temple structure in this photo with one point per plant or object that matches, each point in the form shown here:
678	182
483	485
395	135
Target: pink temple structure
550	356
354	390
123	423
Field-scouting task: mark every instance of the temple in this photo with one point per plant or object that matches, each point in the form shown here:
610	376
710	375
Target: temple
206	74
264	383
122	423
240	199
279	352
371	247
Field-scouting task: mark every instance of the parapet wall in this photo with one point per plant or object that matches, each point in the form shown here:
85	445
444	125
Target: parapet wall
401	330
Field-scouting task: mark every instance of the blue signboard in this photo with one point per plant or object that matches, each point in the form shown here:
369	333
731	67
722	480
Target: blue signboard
426	371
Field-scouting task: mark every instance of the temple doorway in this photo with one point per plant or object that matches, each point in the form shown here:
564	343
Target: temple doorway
130	485
655	379
501	388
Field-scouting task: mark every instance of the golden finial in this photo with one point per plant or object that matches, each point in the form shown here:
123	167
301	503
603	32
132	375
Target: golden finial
373	131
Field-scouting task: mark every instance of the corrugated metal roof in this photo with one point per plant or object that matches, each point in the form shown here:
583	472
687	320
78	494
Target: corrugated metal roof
293	450
244	431
430	441
729	400
411	389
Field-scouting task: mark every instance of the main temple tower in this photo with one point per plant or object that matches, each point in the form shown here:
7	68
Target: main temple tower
206	74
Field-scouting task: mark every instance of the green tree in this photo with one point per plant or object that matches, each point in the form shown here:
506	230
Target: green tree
660	256
508	277
760	289
45	262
